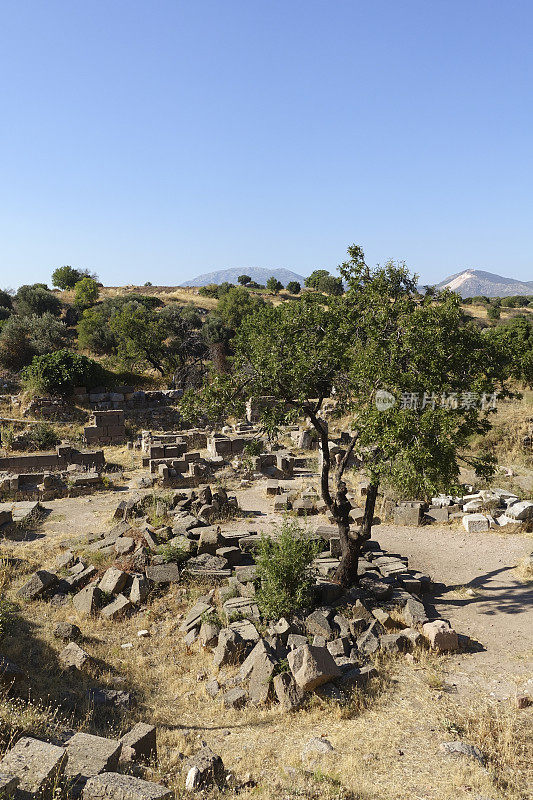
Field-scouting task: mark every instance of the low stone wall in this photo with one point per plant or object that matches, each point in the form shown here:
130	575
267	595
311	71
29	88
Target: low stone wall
53	462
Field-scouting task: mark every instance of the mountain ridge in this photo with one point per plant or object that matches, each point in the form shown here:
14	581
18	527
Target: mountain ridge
476	282
257	274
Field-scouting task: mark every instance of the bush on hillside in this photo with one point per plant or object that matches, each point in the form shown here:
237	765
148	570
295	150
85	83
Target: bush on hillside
60	372
37	299
283	568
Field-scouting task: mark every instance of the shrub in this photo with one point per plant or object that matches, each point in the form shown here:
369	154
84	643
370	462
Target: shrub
66	277
273	285
294	287
6	301
40	437
37	299
283	569
60	372
16	346
86	292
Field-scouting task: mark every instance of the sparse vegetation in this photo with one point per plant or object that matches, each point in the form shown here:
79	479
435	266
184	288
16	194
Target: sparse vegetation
283	571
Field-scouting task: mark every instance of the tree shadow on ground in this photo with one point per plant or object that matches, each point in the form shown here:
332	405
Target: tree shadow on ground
508	596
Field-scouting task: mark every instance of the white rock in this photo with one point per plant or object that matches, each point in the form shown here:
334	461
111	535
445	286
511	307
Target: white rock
521	511
475	523
143	633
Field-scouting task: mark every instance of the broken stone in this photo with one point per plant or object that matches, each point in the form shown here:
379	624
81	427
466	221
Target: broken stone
209	635
317	624
124	545
87	600
117	608
36	764
289	694
212	687
113	786
229	648
209	768
194	616
73	657
234	698
459	748
140	589
66	631
40	584
139	744
316	746
440	635
312	666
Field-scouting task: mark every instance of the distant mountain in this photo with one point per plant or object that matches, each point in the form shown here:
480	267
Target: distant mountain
475	282
257	274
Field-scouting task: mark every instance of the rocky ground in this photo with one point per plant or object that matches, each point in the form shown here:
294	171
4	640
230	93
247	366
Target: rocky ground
389	743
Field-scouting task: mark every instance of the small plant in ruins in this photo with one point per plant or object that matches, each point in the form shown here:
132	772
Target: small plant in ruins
283	569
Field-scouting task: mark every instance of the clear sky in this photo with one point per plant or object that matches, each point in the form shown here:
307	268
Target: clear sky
158	139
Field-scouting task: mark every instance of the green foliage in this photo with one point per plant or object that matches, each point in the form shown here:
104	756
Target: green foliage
21	338
323	282
493	312
253	447
39	437
173	553
6	301
16	347
36	299
236	304
60	372
514	341
86	292
294	287
283	569
273	285
66	277
244	279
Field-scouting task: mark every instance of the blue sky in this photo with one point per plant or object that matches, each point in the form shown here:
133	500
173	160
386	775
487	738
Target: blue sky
157	139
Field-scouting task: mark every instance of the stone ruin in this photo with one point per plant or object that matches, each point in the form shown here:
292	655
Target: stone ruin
45	476
106	427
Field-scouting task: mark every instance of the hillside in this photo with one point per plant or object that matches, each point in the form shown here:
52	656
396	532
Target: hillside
476	282
257	274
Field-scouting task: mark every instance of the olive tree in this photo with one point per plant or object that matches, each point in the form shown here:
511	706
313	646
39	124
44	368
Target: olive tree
390	361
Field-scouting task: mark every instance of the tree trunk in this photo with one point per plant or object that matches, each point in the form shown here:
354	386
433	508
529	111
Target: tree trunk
346	573
339	507
370	505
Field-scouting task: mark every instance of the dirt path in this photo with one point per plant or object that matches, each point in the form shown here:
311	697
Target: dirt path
479	592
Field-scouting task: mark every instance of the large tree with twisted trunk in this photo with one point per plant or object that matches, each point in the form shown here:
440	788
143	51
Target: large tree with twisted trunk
409	373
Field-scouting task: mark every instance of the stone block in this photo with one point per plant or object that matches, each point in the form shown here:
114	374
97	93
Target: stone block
87	600
475	523
117	608
36	764
407	515
140	743
440	635
40	584
113	581
89	755
163	574
113	786
312	666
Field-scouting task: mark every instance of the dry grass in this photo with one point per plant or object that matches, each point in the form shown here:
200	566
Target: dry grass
524	570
